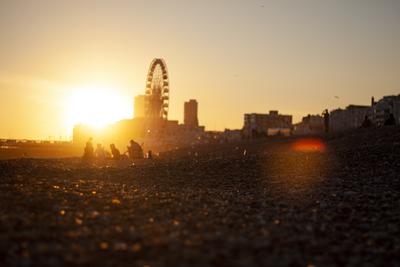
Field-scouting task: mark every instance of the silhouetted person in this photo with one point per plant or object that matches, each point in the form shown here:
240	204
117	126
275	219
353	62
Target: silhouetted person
326	120
366	123
100	152
135	151
150	154
115	152
391	120
88	152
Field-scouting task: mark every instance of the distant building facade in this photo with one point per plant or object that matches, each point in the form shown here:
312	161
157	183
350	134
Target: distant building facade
190	113
352	117
309	125
139	106
382	109
256	124
232	135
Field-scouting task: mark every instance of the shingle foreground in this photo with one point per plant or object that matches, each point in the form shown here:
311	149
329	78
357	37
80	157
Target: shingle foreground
210	206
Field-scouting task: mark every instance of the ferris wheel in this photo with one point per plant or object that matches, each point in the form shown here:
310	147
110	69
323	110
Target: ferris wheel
157	90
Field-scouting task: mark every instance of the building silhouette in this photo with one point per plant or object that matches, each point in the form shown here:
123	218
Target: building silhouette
190	113
382	109
351	117
310	124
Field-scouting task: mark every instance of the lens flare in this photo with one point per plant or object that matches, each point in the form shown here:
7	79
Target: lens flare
309	145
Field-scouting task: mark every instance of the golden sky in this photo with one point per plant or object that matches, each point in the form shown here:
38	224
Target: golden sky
233	56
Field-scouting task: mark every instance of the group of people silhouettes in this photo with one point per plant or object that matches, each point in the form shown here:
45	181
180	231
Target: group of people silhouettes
134	151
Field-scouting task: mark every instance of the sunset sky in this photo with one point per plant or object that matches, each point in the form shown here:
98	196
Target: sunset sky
233	56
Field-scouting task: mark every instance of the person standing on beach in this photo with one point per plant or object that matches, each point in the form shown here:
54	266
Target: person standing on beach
326	120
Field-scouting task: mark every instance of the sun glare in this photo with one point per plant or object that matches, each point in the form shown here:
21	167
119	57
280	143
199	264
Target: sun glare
96	106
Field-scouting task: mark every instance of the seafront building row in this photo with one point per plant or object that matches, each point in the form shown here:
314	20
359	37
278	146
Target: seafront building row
340	120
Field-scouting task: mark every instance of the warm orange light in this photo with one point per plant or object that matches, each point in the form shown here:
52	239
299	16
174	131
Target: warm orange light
309	145
96	106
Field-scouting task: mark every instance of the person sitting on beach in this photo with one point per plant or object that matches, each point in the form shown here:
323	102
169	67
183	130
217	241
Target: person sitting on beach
115	152
135	151
366	123
100	152
88	153
391	120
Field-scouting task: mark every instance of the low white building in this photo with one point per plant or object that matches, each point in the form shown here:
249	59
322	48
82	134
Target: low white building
232	135
256	124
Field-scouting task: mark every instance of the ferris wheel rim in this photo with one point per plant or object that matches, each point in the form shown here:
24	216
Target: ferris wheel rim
165	84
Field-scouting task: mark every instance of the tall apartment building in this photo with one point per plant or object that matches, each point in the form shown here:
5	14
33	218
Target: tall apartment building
190	113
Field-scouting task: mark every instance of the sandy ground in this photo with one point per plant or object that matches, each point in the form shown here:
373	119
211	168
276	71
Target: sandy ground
249	204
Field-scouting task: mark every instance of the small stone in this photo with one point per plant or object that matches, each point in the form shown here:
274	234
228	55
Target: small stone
116	201
136	247
104	245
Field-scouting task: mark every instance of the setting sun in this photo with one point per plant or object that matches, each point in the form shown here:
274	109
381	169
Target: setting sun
96	106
